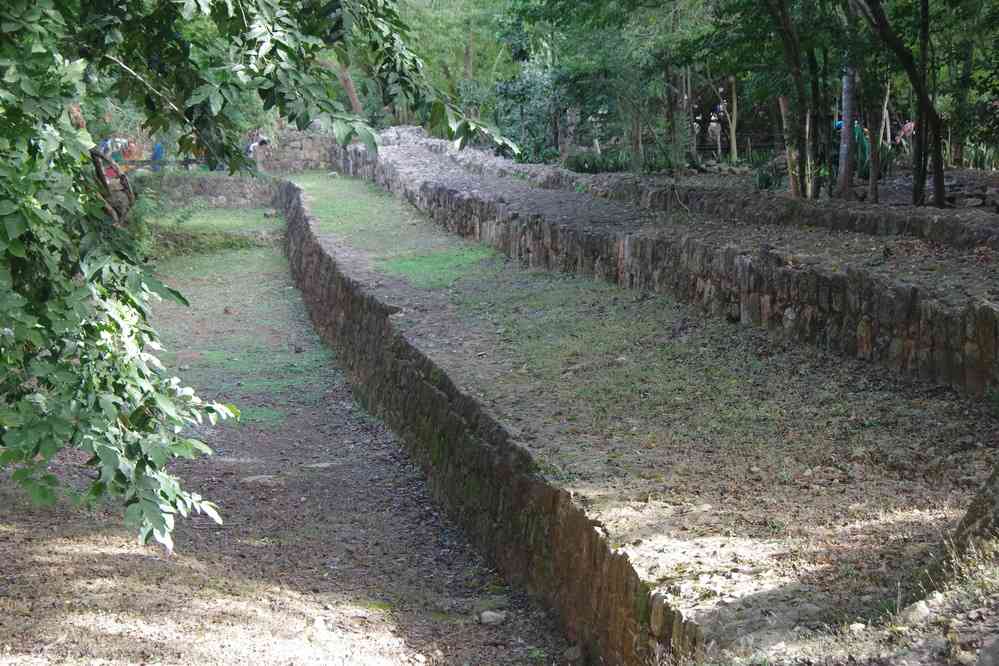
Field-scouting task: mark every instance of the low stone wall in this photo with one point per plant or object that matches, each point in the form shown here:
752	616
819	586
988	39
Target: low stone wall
534	532
292	152
848	311
216	190
957	228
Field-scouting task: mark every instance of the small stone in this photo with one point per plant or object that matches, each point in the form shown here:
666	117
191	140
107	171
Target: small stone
857	628
916	613
492	617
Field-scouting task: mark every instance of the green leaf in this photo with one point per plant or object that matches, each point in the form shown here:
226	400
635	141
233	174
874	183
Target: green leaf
168	293
212	511
215	101
341	131
15	225
365	134
166	406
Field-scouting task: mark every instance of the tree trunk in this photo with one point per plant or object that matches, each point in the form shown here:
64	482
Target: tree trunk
885	115
791	147
813	129
922	122
637	156
875	15
963	112
795	117
347	82
677	149
733	121
879	119
469	59
845	181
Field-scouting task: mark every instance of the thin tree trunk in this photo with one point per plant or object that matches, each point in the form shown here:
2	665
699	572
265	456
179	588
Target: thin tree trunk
469	69
637	157
874	12
844	184
347	82
962	106
791	148
878	119
813	129
795	118
922	129
733	121
885	116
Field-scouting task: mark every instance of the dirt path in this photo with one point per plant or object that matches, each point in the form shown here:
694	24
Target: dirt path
331	552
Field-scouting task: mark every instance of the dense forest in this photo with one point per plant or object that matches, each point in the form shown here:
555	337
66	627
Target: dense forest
632	85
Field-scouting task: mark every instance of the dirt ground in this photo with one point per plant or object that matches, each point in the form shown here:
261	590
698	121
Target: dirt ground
787	499
332	552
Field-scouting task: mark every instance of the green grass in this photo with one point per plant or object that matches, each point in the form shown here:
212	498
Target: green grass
635	371
399	240
437	269
246	337
242	220
210	231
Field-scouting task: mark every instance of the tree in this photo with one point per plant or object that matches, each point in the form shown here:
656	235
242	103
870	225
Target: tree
929	119
77	353
845	182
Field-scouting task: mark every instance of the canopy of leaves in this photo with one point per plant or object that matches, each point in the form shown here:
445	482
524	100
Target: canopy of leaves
78	369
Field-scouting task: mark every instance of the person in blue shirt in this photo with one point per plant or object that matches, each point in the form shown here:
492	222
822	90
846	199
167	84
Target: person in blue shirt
159	154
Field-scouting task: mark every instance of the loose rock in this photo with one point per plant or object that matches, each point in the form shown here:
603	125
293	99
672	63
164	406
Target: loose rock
492	617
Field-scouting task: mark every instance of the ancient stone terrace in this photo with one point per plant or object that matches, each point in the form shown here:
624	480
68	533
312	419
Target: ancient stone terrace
663	478
925	308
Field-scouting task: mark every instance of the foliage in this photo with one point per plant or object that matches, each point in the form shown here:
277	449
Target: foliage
77	353
768	176
591	162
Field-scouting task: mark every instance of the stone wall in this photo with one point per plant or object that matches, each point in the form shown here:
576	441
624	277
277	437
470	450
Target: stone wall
955	227
218	190
849	311
534	532
292	152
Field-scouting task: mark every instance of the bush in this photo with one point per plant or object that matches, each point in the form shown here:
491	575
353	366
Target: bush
591	162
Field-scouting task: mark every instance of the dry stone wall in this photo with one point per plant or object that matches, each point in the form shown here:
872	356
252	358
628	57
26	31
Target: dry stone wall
534	531
958	228
850	311
292	152
217	190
